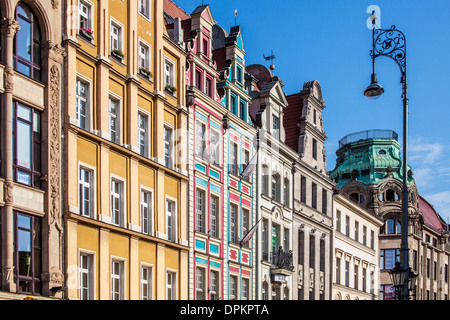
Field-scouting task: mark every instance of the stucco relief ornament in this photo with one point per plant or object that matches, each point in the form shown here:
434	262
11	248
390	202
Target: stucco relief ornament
55	214
8	190
9	79
55	4
10	27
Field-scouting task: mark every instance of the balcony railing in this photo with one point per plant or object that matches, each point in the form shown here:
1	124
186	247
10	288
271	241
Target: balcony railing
368	134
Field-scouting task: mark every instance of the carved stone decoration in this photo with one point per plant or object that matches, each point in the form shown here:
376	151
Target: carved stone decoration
8	193
9	79
9	27
55	52
55	4
54	142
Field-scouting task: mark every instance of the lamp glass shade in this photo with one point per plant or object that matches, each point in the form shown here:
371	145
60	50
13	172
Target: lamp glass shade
374	90
398	275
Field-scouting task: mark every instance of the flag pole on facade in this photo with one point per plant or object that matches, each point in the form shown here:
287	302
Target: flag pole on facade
250	167
249	234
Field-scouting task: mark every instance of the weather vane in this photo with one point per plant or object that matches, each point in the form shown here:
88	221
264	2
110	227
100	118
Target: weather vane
235	16
271	57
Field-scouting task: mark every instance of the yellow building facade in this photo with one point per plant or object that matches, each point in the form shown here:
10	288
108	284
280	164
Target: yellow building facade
126	181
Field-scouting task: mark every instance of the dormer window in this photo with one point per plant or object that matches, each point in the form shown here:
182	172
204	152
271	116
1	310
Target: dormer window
390	195
358	198
239	74
205	47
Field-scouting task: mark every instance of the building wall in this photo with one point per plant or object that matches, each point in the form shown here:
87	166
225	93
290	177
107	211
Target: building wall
31	199
356	254
147	182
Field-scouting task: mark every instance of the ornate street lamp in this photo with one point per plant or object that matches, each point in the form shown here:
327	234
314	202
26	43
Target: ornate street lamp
398	277
392	43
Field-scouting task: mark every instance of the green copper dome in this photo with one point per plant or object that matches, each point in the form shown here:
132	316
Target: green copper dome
369	157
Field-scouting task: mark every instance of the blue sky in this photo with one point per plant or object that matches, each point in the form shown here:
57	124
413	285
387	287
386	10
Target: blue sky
328	41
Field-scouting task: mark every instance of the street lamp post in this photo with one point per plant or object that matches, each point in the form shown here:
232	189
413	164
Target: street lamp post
392	43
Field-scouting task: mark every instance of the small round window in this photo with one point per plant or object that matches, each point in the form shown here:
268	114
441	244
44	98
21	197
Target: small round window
382	152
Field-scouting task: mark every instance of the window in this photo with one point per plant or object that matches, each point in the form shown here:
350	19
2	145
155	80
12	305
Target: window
347	226
209	87
200	141
303	190
144	58
246	161
233	286
356	277
143	134
322	257
84	15
146	282
198	79
245	224
338	270
146	212
83	107
117	203
168	73
364	235
286	192
357	197
205	47
200	210
388	258
116	40
86	192
324	201
214	216
200	283
314	196
214	147
275	187
233	165
301	247
233	224
144	8
233	103
168	147
265	240
114	120
239	74
276	127
265	180
213	285
347	274
117	279
171	287
312	252
356	231
245	288
26	139
86	276
27	44
392	226
170	220
314	149
338	221
242	111
27	253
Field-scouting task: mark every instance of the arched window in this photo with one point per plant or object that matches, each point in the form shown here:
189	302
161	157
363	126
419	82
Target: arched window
27	43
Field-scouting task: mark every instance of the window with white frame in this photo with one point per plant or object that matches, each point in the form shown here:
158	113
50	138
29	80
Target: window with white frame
213	285
200	141
144	8
200	283
85	15
171	285
114	119
245	287
144	57
117	202
146	282
146	212
214	147
200	210
275	126
86	276
168	73
168	147
214	215
83	104
86	192
233	287
245	227
233	223
171	220
143	134
116	39
117	279
233	158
